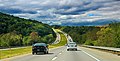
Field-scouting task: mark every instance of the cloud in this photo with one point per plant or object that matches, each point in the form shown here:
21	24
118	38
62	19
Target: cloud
93	23
64	12
15	10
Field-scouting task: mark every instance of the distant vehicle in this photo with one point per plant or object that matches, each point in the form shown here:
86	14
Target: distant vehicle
40	47
71	46
70	40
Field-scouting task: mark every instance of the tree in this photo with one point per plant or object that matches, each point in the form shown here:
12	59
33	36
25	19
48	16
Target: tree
47	39
11	39
26	40
105	37
34	37
23	28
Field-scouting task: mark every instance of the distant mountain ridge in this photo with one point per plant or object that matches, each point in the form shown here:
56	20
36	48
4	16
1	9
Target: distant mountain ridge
100	22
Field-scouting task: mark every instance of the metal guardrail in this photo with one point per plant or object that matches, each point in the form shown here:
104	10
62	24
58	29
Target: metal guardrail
14	48
114	50
106	48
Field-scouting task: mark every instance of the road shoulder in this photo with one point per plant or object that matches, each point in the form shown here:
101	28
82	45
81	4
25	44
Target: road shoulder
103	56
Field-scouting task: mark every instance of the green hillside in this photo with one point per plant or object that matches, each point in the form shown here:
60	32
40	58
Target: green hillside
15	31
108	35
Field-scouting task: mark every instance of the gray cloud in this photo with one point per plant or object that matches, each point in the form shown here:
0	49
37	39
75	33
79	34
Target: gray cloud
63	12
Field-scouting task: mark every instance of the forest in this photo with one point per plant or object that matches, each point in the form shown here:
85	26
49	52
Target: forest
15	31
106	35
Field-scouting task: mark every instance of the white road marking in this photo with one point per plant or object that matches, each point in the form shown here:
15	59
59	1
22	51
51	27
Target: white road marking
54	58
91	56
60	53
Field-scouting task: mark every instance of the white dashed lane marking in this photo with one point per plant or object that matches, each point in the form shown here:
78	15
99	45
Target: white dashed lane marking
54	58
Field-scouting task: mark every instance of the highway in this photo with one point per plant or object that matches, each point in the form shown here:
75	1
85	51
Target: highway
61	54
57	37
58	54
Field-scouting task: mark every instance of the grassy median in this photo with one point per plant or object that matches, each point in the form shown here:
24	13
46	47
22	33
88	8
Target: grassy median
63	40
26	50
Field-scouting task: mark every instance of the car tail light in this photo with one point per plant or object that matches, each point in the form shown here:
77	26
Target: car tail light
34	47
75	45
47	46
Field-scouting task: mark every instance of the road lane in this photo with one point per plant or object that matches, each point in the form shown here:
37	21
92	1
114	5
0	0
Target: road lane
57	37
73	56
61	54
43	57
58	54
103	56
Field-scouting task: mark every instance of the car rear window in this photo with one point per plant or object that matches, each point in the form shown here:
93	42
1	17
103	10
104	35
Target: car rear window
39	44
71	43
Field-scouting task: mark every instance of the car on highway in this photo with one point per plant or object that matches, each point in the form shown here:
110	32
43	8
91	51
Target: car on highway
71	46
39	47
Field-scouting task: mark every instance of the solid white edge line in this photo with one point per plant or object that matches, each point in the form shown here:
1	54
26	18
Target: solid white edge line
54	58
91	56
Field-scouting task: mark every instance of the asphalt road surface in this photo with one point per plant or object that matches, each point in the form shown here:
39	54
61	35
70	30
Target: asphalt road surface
61	54
57	38
58	54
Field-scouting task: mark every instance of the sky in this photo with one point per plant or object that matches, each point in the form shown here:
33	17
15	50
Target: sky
65	12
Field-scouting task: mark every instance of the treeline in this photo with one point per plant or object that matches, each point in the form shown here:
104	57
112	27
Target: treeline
108	36
15	31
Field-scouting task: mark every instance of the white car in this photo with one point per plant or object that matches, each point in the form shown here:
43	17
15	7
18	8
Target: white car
71	46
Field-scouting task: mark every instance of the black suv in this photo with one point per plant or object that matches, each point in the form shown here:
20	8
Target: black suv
40	47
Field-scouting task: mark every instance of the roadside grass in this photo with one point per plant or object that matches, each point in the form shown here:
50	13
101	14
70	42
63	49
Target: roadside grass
14	52
62	42
20	51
